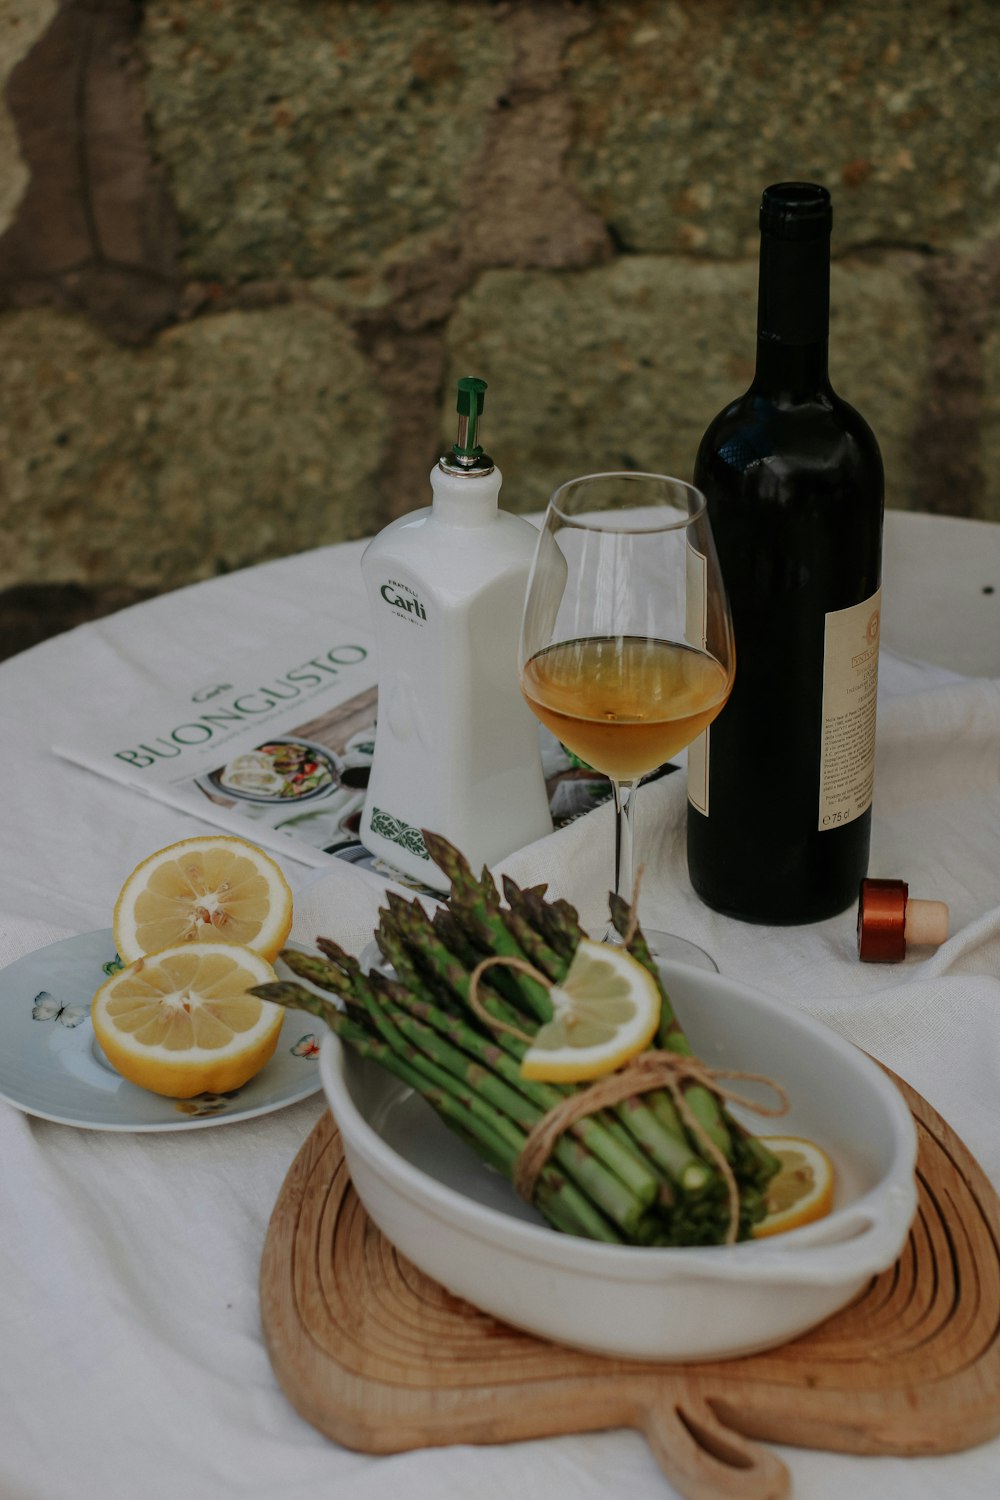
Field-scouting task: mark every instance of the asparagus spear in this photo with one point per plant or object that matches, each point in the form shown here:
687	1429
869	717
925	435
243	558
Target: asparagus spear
476	907
317	970
533	946
702	1103
562	1203
555	921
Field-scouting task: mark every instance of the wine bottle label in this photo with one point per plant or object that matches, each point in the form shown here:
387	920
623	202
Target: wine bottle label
698	772
696	635
850	686
696	599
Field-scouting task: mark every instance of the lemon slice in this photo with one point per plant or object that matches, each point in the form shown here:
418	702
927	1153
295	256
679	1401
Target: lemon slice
211	889
802	1190
181	1022
606	1010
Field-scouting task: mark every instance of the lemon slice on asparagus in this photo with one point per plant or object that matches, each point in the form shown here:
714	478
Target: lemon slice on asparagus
606	1010
182	1022
802	1190
208	889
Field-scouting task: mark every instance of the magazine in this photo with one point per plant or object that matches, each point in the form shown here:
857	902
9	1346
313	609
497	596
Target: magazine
280	752
277	751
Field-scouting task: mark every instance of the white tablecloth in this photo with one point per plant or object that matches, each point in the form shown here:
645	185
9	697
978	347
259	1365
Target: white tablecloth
132	1361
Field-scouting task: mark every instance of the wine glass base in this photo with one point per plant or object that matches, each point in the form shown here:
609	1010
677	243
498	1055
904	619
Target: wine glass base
672	949
678	950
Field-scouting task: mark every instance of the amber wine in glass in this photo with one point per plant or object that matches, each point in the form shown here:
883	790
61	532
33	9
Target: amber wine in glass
626	648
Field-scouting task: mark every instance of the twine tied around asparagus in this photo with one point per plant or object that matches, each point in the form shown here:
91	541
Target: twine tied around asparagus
648	1070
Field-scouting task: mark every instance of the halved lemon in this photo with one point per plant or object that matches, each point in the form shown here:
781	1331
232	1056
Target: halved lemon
606	1010
181	1022
210	889
802	1191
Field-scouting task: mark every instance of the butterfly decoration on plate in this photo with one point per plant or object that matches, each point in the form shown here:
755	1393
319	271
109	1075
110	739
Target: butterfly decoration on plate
306	1046
205	1104
46	1007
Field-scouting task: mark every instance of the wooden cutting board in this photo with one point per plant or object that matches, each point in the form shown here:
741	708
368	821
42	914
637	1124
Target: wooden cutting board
382	1359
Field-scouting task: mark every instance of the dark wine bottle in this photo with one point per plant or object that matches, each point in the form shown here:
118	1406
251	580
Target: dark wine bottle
780	786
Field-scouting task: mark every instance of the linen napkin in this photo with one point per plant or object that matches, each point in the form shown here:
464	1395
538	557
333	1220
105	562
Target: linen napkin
936	824
575	862
938	1026
20	935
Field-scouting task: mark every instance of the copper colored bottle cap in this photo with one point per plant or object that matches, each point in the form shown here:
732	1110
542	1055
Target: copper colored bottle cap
888	920
882	921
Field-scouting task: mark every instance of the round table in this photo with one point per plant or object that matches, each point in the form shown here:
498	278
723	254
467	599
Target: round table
133	1357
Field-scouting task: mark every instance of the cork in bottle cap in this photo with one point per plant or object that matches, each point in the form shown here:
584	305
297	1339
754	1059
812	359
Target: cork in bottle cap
926	922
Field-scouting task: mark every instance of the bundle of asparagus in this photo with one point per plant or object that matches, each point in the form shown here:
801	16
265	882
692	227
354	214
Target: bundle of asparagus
632	1173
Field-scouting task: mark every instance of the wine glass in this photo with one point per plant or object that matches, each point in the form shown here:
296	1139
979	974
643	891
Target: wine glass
626	650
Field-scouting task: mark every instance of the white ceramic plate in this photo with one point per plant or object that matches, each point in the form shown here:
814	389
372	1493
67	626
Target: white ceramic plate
463	1225
52	1066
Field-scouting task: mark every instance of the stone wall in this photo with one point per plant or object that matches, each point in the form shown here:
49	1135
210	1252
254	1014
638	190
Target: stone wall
245	249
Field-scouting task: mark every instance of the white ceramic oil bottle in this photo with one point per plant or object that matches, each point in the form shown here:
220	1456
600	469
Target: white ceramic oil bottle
456	747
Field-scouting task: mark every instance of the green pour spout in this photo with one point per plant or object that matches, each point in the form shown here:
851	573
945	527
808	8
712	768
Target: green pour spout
471	394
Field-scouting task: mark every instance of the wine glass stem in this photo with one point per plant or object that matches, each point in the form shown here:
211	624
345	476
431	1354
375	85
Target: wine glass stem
624	794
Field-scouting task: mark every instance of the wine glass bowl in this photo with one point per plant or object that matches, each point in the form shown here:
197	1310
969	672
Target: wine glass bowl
626	648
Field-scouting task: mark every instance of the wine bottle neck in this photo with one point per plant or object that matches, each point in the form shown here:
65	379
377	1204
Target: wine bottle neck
791	372
793	316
